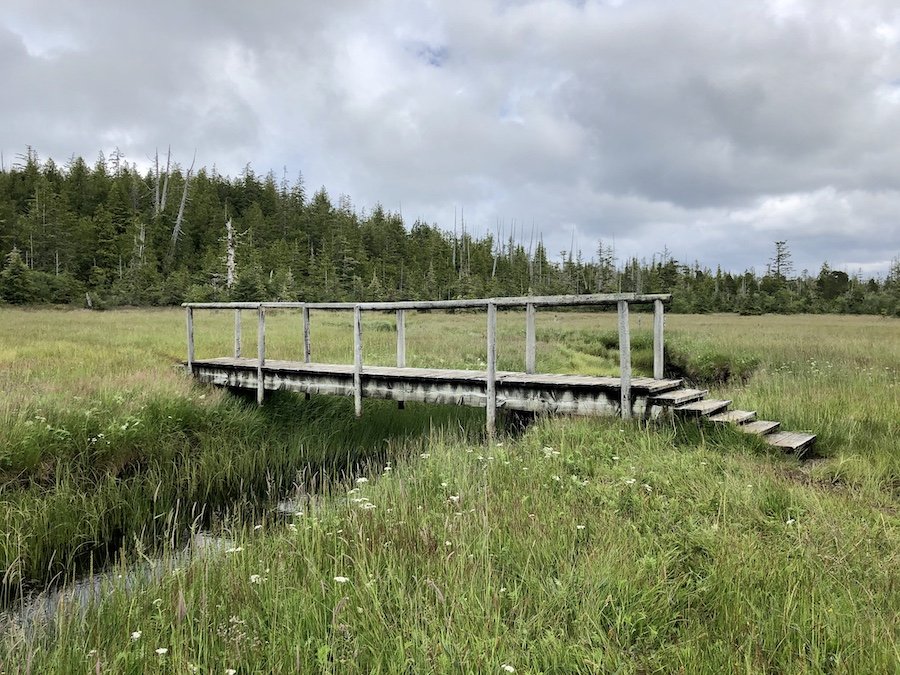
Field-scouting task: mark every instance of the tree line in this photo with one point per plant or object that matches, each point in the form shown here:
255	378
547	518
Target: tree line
106	234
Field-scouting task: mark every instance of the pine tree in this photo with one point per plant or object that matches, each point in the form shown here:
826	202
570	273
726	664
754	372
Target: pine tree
16	286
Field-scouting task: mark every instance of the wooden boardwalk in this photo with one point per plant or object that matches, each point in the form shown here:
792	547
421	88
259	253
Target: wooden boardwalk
626	396
567	394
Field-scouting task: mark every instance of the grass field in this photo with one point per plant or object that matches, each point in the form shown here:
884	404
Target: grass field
577	546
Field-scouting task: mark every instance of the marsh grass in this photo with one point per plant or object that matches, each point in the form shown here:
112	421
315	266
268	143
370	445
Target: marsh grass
581	546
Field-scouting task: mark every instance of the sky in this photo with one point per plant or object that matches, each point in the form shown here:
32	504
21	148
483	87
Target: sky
708	129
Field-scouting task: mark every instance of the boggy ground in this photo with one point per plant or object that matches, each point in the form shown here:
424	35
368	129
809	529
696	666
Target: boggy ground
577	546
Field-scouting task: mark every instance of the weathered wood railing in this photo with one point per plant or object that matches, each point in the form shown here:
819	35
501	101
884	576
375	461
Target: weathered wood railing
530	303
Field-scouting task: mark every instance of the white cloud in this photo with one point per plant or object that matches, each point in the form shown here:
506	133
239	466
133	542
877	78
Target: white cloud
712	128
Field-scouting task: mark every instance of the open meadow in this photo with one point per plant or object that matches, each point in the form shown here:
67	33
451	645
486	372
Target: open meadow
409	543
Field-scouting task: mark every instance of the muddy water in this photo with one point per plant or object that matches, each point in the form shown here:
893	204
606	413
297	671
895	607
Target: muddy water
41	609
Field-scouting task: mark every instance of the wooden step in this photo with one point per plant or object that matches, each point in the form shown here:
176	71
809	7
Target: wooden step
679	396
708	406
790	440
659	386
760	427
734	417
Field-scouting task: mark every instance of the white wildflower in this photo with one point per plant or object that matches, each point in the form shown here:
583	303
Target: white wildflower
136	635
236	549
162	651
256	579
361	480
580	527
230	671
454	498
425	455
790	521
507	668
342	580
630	481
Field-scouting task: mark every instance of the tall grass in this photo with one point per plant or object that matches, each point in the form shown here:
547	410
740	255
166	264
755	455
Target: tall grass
581	546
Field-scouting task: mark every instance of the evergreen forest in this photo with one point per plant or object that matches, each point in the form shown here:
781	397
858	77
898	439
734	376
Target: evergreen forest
105	234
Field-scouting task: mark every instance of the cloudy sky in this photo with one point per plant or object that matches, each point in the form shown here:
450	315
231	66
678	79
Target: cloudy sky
709	127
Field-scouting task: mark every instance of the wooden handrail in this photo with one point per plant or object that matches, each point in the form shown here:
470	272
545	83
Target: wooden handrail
592	299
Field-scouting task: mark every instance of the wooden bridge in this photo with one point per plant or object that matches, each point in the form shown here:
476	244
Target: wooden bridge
626	396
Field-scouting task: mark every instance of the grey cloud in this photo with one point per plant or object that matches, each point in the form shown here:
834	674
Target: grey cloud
713	128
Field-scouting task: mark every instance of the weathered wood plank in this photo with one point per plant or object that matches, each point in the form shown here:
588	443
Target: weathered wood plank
624	359
530	339
658	348
790	440
708	406
357	361
585	300
307	350
491	385
645	385
260	355
734	417
237	333
189	319
760	427
679	396
401	347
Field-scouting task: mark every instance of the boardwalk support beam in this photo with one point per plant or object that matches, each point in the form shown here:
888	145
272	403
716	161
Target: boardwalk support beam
237	333
491	384
401	347
624	360
260	355
530	339
307	352
189	318
357	361
658	327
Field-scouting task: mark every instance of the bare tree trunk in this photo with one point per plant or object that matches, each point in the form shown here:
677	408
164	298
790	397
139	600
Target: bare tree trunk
165	189
142	238
156	186
176	231
229	255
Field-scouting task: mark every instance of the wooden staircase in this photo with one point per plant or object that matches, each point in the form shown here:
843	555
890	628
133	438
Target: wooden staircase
692	403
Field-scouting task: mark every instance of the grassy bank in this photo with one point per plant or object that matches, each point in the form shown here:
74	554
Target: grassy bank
582	546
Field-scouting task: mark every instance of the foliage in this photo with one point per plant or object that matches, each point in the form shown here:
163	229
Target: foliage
15	282
102	230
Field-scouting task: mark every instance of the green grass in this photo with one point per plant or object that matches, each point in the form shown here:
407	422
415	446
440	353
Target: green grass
580	546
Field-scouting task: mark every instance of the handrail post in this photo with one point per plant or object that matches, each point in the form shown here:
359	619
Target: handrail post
261	355
491	384
624	361
401	347
189	318
530	339
658	349
357	361
237	333
307	352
